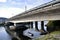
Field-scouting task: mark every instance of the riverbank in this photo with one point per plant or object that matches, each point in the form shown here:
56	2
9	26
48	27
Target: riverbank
52	36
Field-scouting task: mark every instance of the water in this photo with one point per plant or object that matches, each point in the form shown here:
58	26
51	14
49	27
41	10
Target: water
4	35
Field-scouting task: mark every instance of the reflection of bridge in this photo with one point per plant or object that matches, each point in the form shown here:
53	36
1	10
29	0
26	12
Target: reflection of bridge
48	11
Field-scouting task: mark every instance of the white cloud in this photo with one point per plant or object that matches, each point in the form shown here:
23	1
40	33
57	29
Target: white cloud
9	12
13	2
17	3
3	0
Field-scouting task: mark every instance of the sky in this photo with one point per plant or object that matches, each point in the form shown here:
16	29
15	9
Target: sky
9	8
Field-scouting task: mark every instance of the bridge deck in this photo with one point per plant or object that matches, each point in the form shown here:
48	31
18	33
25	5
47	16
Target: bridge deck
50	11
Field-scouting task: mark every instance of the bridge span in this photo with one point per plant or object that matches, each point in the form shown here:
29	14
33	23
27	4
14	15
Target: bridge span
47	11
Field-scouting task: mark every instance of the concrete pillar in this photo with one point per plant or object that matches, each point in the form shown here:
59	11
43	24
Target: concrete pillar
36	25
42	25
14	24
31	24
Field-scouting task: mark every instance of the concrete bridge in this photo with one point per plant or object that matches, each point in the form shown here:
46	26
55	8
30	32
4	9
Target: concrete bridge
47	11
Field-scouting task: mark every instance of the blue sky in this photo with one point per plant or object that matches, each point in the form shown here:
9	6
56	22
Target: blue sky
9	8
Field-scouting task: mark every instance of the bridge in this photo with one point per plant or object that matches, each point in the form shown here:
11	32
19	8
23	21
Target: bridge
47	11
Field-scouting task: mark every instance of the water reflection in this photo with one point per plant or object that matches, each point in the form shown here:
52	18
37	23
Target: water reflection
3	34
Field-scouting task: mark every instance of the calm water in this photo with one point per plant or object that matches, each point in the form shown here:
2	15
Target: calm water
4	35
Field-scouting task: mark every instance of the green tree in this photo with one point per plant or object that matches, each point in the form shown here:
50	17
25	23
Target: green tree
53	25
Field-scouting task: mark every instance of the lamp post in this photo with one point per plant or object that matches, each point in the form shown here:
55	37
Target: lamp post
25	5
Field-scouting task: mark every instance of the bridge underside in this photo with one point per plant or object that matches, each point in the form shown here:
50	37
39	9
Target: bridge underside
47	15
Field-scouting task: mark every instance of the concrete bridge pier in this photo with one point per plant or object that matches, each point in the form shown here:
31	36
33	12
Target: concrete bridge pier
31	24
14	24
42	25
36	25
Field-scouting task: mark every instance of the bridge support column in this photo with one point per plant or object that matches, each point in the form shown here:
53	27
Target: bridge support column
14	24
31	24
42	25
36	25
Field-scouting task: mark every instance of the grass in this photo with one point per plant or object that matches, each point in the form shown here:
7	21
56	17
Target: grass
50	36
56	32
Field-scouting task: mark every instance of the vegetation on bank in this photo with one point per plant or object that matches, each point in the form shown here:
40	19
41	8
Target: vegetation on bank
53	28
2	21
2	24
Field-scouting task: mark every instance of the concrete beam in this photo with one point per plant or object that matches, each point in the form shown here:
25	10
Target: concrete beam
39	17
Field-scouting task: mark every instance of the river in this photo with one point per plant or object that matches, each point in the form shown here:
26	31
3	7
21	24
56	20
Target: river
4	35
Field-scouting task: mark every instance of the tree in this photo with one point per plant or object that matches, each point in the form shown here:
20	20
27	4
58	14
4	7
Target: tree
53	25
